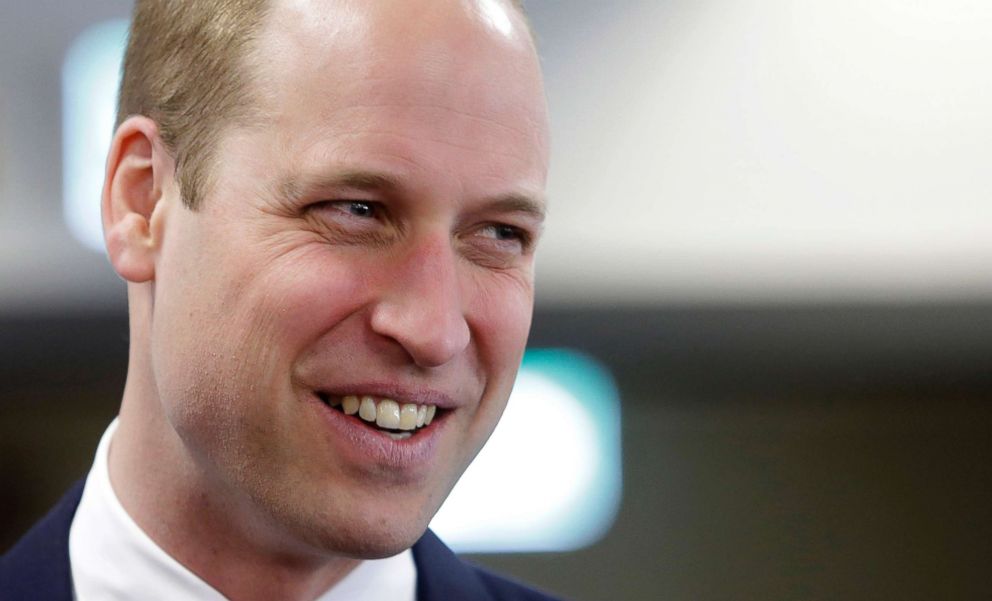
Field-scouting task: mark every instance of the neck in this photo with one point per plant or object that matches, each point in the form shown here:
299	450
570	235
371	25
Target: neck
177	505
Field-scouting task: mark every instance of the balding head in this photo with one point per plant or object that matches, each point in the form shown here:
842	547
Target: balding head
187	68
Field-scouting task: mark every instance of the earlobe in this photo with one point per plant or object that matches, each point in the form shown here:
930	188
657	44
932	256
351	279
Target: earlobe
133	190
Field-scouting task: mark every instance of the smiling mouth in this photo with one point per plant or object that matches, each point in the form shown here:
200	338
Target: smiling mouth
396	420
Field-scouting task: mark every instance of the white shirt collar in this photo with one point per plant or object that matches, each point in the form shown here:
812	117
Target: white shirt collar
112	559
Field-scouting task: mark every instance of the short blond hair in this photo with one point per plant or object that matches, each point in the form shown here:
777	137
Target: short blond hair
187	68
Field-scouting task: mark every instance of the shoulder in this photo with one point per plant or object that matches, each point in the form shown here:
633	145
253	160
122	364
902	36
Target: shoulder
504	589
441	575
37	566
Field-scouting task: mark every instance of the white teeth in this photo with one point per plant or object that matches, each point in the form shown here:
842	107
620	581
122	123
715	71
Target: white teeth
408	417
399	435
367	410
388	415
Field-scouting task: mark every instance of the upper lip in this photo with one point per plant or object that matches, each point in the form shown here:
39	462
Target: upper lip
420	395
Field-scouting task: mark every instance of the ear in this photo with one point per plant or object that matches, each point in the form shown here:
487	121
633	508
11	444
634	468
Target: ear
138	170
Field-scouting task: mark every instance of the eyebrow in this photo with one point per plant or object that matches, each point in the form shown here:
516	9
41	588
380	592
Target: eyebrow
518	203
297	186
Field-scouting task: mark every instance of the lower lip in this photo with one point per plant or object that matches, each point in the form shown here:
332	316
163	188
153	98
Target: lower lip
358	444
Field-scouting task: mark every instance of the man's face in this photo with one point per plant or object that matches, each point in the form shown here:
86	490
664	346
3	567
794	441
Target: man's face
371	235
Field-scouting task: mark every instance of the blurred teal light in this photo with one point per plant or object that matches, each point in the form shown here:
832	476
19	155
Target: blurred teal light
90	76
549	479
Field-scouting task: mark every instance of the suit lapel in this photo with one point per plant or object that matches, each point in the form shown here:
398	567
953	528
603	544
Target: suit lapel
441	576
37	567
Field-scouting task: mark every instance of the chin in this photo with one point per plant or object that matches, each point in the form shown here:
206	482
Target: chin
370	541
367	530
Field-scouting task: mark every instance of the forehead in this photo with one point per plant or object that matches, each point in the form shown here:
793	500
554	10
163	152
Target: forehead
435	51
436	84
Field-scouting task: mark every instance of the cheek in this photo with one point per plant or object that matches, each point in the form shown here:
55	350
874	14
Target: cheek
500	318
500	313
231	328
500	321
295	299
296	302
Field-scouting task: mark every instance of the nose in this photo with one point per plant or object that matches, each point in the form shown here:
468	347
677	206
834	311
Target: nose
422	306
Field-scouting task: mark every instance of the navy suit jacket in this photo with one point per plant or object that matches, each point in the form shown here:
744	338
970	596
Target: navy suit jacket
37	567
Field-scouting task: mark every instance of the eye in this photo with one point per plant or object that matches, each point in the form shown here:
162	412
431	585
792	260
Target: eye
499	245
358	208
354	221
502	232
357	213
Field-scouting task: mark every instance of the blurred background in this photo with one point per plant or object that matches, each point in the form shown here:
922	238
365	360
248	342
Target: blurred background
770	228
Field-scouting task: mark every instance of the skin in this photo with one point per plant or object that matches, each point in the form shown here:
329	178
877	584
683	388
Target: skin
297	276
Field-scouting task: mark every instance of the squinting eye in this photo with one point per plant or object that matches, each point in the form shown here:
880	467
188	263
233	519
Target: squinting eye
359	208
507	232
